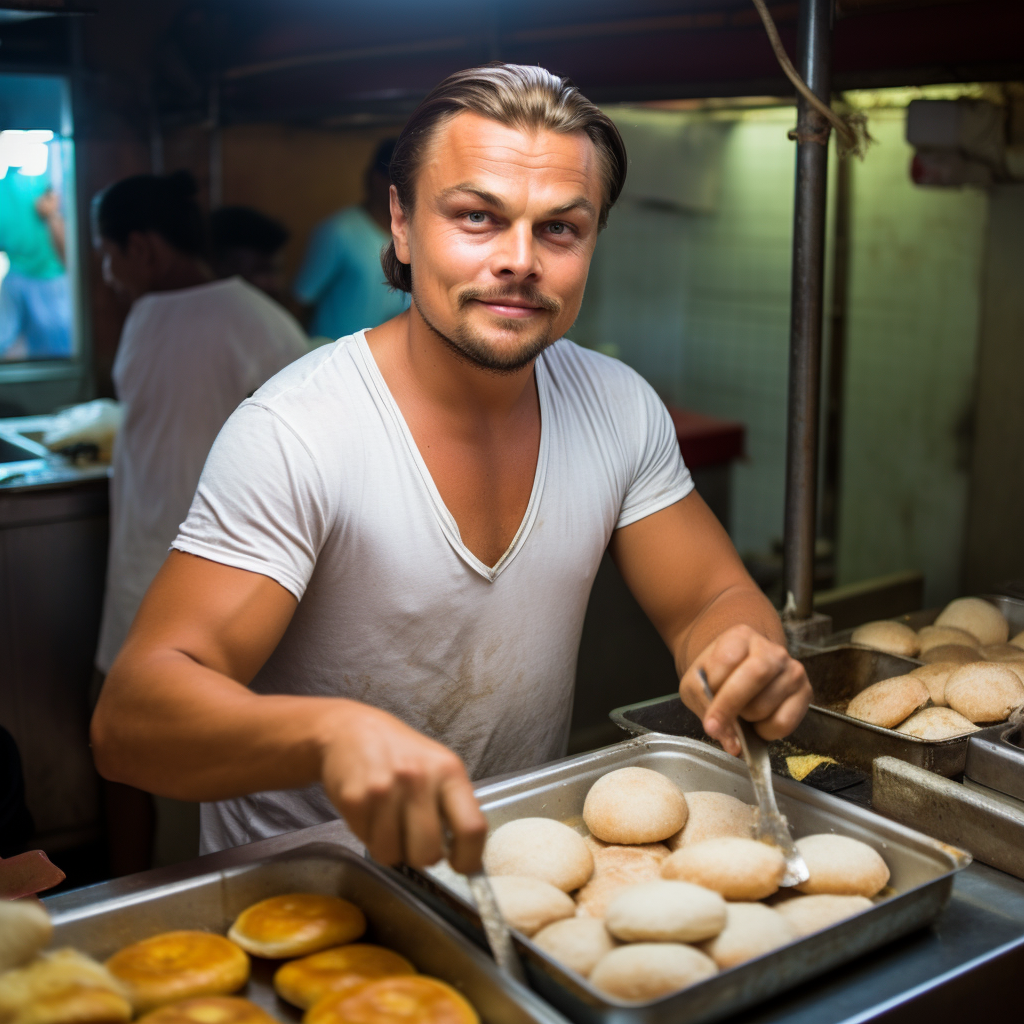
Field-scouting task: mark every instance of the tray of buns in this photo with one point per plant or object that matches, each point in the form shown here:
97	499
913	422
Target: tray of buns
655	904
256	917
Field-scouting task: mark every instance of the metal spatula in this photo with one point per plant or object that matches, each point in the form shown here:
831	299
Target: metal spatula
771	824
495	926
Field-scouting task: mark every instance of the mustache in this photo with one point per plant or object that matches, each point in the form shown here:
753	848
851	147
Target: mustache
528	294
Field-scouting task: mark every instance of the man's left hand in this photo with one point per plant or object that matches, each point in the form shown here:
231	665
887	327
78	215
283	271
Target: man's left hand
752	678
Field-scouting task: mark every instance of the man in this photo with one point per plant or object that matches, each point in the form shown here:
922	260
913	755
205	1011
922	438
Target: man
35	297
380	588
341	276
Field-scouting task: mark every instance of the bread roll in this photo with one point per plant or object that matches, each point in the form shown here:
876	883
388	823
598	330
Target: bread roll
841	866
406	999
577	943
304	981
936	724
25	928
665	911
809	914
649	970
178	965
634	805
934	677
296	924
713	816
954	654
889	702
209	1010
598	846
891	637
539	848
62	987
937	636
739	869
978	617
1018	640
1002	652
984	691
529	904
615	868
751	929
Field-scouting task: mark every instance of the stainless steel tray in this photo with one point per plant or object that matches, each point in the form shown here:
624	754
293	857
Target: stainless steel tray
211	900
922	878
995	759
836	675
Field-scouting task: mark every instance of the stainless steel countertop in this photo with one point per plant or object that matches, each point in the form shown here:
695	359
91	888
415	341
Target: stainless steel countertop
974	952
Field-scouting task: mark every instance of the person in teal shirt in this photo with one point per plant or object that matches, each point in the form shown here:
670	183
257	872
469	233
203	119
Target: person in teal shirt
341	276
35	298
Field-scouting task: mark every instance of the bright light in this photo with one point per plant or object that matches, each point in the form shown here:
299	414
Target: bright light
25	150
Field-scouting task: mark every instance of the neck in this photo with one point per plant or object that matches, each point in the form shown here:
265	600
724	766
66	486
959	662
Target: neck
183	272
410	354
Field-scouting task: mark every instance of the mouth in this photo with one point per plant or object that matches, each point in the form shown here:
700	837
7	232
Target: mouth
511	309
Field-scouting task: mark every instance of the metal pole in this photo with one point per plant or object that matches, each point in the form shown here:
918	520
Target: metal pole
814	64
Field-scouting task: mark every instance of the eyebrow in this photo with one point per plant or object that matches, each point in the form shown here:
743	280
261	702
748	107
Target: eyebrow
468	188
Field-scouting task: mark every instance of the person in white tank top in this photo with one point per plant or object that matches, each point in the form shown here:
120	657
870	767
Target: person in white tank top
378	593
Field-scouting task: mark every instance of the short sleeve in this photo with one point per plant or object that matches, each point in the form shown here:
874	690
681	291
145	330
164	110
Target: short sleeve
261	501
321	264
660	477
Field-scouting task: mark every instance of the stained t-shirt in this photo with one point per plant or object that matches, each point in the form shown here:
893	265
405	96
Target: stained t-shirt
316	482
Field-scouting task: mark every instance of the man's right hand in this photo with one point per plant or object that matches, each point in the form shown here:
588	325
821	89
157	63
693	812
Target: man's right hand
399	791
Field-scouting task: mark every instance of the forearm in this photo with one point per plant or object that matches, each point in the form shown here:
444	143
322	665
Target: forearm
741	604
173	727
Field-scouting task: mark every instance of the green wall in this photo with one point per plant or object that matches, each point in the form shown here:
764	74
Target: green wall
698	302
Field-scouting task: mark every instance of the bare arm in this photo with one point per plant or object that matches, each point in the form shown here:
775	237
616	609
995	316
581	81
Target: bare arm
176	717
685	573
48	209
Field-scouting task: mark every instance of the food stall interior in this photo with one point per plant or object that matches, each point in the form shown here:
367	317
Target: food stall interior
817	330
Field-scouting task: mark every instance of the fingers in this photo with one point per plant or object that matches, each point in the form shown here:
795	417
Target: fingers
467	823
758	671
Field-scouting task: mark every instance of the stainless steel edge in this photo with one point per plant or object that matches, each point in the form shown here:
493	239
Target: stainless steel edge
922	873
107	917
994	762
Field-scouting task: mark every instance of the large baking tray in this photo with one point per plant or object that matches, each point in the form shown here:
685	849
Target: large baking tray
1011	607
995	759
836	675
922	878
211	900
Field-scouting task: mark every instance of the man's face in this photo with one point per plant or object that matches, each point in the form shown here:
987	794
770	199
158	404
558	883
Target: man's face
500	237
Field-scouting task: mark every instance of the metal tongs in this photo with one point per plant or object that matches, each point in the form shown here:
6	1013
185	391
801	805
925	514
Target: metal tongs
771	823
495	926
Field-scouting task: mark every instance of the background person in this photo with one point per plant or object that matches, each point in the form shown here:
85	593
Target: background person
35	296
341	277
247	243
191	350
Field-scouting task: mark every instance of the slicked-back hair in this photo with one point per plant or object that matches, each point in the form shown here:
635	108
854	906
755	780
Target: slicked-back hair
516	95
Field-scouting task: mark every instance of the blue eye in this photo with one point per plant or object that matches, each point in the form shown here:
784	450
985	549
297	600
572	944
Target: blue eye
477	217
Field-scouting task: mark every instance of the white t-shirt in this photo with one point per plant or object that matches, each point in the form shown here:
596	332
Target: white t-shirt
185	361
317	483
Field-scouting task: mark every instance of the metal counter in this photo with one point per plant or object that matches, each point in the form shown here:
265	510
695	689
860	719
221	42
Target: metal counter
968	964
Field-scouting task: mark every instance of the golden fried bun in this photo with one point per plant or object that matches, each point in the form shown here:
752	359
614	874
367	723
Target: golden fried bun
209	1010
179	965
62	987
297	924
408	999
303	982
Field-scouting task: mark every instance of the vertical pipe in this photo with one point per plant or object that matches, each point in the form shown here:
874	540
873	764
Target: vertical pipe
814	64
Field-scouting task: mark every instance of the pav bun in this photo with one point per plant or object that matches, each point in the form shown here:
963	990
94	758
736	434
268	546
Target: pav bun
25	928
891	637
889	702
577	943
937	636
978	617
304	981
179	965
528	904
540	848
648	970
935	724
296	924
739	869
209	1010
634	805
809	914
665	911
751	930
934	677
406	999
956	654
713	816
841	866
985	691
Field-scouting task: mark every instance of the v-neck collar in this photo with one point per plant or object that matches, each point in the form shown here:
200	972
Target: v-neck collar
445	519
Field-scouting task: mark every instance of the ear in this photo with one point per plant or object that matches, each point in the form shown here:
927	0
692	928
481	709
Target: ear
399	228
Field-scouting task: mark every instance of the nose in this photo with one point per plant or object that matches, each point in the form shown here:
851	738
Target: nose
516	259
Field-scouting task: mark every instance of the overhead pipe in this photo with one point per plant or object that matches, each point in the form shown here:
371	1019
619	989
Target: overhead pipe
814	59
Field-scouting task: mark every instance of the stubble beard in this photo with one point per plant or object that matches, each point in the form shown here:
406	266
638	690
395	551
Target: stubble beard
470	347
